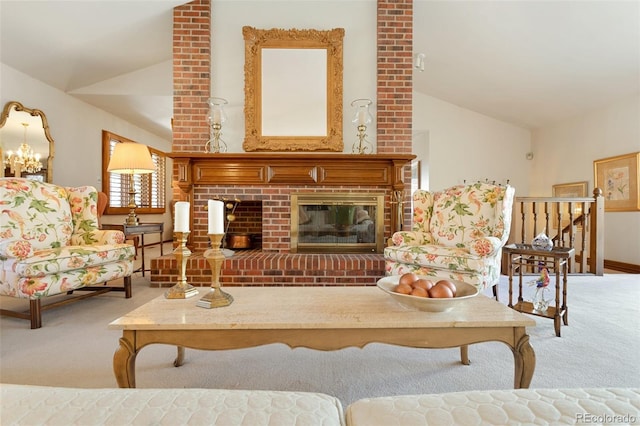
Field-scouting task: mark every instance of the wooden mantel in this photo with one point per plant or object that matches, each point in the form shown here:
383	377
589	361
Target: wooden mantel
195	168
310	169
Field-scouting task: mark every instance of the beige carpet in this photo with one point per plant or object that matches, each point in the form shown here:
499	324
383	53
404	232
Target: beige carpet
74	348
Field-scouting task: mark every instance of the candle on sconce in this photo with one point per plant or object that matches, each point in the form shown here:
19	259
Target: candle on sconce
362	117
181	223
216	217
217	116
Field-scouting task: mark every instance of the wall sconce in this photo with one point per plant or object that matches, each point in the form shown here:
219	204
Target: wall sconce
361	118
129	158
23	160
418	61
216	118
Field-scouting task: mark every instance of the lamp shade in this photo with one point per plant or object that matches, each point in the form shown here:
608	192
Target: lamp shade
130	158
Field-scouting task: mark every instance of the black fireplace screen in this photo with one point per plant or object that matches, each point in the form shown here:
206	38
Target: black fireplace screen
337	222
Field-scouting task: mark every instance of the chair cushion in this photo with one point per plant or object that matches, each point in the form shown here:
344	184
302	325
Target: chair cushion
13	285
63	259
437	256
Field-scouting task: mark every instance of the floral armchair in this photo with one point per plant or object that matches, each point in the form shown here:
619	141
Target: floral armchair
456	234
50	244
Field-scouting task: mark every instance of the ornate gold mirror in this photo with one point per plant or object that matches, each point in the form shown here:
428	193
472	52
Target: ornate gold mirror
26	146
293	90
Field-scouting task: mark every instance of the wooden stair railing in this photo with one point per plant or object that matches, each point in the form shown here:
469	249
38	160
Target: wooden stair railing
569	222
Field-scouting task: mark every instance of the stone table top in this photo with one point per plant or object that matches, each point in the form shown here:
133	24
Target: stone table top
312	308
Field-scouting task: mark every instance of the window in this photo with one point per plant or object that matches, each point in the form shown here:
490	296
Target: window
149	188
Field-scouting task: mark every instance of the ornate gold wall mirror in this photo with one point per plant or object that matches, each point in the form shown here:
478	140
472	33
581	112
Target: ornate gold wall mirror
293	90
20	126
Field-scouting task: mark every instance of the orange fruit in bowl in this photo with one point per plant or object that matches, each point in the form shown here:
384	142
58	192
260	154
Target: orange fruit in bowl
423	283
408	278
440	291
449	284
403	289
419	292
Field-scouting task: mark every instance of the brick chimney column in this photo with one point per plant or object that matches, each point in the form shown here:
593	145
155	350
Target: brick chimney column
191	75
395	76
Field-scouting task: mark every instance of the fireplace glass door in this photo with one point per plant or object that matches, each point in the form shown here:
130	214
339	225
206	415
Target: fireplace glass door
337	222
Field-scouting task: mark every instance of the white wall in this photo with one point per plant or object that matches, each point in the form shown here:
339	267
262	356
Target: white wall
565	153
358	18
464	145
76	128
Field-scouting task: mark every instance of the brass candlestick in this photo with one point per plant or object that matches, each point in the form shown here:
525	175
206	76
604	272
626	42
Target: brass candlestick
182	289
363	146
216	298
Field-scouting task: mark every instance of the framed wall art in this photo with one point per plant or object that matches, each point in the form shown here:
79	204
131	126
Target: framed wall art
573	190
618	179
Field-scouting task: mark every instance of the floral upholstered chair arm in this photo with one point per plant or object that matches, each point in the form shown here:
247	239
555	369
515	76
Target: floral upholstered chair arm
98	237
15	248
411	238
484	246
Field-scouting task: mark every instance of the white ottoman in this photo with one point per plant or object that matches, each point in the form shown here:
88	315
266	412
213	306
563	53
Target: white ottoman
37	405
500	407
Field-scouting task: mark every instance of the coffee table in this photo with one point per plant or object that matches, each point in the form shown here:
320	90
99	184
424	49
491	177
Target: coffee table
323	318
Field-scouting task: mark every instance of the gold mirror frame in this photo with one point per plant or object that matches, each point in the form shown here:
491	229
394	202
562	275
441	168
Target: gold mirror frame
255	41
14	106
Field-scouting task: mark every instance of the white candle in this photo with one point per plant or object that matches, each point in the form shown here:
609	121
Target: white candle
181	217
217	116
362	117
216	217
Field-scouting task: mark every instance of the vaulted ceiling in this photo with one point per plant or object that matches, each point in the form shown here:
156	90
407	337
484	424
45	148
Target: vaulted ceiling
530	63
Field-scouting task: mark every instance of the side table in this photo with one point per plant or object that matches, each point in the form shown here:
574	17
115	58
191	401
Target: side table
140	229
556	259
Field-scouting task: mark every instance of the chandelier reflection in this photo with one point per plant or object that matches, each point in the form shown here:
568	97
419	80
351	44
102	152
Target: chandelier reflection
25	160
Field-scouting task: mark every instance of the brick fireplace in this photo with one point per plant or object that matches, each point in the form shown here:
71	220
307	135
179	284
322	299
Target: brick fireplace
268	180
271	179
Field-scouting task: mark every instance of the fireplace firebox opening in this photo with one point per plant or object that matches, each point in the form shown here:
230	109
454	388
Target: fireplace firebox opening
336	222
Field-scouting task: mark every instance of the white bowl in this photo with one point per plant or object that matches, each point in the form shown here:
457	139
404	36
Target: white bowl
464	292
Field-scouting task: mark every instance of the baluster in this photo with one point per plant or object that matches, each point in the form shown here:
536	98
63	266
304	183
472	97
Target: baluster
546	219
585	230
559	221
523	213
572	239
534	210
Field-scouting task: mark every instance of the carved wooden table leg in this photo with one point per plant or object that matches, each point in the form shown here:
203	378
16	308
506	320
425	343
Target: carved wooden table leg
556	317
124	361
464	354
524	358
179	357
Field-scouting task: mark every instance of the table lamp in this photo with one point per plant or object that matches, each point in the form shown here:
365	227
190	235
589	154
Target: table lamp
130	158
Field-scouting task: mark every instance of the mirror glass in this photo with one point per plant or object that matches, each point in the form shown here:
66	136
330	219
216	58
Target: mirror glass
20	125
293	90
293	103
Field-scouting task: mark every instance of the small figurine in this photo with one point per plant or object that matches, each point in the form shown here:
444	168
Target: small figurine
540	301
544	279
